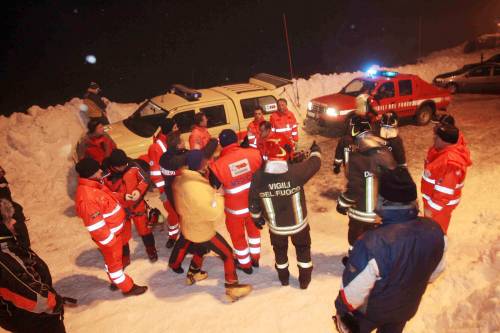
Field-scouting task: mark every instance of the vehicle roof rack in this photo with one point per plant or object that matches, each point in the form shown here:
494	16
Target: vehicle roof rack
185	92
273	80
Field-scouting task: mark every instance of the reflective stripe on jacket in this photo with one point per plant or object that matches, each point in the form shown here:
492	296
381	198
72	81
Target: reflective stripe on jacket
158	148
234	169
102	215
285	123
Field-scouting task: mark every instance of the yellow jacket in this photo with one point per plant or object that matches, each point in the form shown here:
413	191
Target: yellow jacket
199	206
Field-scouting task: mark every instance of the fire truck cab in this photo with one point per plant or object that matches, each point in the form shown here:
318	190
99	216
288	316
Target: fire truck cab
406	94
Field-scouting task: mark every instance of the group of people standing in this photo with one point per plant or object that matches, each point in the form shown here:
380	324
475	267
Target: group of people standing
393	252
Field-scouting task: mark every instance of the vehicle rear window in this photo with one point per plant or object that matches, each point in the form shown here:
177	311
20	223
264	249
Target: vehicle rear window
480	71
216	115
405	88
267	103
185	120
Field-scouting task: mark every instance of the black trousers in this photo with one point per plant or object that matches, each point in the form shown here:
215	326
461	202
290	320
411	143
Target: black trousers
367	326
24	322
301	241
357	228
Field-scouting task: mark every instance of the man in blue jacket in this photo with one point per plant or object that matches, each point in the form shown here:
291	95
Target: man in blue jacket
390	266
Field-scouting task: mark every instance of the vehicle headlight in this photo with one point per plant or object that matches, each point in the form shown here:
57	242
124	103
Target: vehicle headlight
310	105
332	112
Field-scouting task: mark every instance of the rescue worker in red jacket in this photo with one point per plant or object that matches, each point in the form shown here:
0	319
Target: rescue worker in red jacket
199	136
444	174
234	170
104	218
130	185
155	151
253	129
267	134
284	122
96	144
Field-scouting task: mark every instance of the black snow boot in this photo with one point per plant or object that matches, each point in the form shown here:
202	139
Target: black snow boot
136	290
283	275
305	276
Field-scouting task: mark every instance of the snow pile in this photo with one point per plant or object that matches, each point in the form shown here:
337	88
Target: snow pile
36	151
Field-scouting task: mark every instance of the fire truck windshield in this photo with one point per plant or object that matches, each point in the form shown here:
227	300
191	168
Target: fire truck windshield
357	87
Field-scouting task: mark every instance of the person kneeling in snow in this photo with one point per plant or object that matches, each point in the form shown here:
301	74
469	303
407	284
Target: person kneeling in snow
28	302
200	209
390	266
104	218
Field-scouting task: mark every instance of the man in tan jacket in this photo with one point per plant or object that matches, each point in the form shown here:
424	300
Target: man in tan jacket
200	209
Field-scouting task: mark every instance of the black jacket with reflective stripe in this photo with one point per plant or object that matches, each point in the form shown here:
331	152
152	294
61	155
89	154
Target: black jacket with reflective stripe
281	198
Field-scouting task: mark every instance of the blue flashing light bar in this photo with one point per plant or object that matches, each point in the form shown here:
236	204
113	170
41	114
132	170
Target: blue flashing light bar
185	92
385	73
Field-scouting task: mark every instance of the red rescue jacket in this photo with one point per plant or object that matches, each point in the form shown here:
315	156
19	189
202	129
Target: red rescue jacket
131	180
102	215
286	124
253	133
199	137
98	148
443	178
158	148
234	169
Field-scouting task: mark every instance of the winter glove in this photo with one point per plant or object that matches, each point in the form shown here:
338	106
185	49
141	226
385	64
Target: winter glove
288	148
315	147
259	222
163	196
336	168
346	323
341	209
59	307
134	196
245	143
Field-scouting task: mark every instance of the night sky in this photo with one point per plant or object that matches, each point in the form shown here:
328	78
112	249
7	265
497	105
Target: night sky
142	47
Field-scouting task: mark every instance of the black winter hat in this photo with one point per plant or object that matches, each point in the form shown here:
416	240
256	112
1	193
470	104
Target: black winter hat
94	85
87	167
194	158
227	137
118	158
167	125
397	186
93	123
447	133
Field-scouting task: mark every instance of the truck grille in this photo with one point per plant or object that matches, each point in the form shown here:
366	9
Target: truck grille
318	108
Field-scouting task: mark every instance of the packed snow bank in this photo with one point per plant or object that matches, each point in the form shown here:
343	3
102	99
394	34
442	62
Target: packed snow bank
36	150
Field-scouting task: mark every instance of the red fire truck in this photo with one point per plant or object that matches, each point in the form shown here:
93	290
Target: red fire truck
406	94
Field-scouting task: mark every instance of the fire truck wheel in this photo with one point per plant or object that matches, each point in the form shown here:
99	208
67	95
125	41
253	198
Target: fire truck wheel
424	115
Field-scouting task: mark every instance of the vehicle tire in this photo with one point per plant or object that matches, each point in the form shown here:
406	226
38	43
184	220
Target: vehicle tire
424	115
453	88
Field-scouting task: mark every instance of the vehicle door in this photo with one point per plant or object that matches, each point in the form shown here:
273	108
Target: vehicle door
496	79
385	97
406	104
268	104
478	79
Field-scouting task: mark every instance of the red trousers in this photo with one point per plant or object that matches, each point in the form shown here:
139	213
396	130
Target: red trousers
172	220
217	244
246	250
442	217
113	262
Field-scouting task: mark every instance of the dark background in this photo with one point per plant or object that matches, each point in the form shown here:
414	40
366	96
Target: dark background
142	47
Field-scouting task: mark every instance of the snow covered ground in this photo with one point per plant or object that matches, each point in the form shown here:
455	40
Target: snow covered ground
36	151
